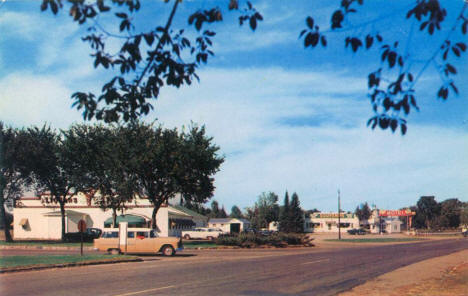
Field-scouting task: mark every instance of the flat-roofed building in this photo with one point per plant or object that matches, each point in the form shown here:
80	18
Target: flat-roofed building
40	218
328	222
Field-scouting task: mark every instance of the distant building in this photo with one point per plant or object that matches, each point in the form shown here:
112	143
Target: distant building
382	223
39	218
273	226
328	222
231	225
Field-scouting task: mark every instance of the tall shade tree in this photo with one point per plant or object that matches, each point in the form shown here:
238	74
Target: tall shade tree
265	210
14	175
464	215
106	153
53	167
428	209
450	210
168	163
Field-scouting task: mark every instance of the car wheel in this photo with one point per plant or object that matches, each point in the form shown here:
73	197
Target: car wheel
187	236
114	251
168	251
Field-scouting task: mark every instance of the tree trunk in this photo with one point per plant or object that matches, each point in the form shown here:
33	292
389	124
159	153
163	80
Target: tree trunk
156	205
8	237
114	217
62	213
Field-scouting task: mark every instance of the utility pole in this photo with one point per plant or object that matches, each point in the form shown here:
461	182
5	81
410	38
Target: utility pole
339	215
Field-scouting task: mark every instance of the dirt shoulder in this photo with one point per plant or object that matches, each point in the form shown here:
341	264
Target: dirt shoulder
440	276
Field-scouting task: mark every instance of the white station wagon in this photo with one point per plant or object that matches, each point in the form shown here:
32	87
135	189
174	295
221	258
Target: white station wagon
202	233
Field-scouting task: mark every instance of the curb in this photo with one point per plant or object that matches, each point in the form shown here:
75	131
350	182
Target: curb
24	247
77	264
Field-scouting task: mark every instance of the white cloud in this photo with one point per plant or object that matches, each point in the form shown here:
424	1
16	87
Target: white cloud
27	99
243	109
19	24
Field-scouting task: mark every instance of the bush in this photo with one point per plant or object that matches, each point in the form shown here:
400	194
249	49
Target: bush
248	240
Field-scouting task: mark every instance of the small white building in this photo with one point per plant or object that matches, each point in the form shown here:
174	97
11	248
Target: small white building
328	222
231	225
273	226
39	218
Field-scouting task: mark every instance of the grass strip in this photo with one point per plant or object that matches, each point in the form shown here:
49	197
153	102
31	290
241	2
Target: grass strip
27	261
374	240
44	244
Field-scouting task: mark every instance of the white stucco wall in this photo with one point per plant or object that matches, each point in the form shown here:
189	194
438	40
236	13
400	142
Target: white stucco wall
44	220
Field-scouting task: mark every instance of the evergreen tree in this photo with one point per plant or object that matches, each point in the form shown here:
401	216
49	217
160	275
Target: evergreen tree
214	213
235	212
284	215
222	213
296	214
363	212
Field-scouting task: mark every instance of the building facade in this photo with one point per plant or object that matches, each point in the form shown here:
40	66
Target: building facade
231	225
40	218
328	222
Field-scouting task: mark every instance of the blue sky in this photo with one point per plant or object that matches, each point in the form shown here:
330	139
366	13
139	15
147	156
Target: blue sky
286	118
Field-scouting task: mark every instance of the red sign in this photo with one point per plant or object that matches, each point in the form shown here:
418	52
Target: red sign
396	213
82	226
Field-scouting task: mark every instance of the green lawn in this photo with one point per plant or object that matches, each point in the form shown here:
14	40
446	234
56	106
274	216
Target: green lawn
44	243
16	261
375	240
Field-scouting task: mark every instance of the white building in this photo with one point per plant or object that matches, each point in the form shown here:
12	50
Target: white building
231	225
328	222
39	218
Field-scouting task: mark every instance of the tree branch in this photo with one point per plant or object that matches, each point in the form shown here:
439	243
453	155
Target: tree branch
159	45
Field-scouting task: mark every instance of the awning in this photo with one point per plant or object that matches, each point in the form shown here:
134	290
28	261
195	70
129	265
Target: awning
130	219
181	222
23	222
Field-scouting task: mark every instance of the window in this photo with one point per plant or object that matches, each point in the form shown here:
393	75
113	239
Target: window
142	234
110	234
131	234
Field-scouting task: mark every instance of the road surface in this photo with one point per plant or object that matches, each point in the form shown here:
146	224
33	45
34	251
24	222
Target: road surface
304	271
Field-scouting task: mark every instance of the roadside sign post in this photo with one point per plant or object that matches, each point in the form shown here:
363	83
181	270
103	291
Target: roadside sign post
81	228
339	214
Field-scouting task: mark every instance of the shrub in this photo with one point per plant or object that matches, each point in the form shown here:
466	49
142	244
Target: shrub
247	240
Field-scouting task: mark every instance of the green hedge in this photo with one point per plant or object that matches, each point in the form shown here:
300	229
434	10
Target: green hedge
247	240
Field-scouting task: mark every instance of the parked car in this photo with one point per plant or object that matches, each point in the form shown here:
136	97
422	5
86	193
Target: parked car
88	236
202	233
358	231
139	240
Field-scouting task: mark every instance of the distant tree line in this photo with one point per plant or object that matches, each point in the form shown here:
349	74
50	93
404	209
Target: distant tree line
430	214
111	164
211	212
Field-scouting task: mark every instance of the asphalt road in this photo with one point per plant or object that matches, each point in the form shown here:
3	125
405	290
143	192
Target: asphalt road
305	271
